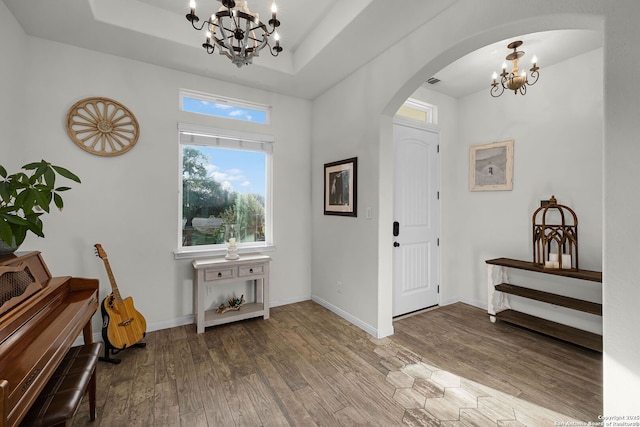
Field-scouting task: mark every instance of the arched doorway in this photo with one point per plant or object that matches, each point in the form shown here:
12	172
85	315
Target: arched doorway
430	68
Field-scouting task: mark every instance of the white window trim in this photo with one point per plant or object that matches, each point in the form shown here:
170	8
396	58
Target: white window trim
208	253
260	141
253	141
185	93
423	106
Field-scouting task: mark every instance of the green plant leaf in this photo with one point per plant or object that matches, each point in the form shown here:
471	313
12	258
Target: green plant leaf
58	201
20	178
50	177
27	200
42	168
31	166
24	197
5	192
41	199
34	223
41	186
66	173
6	234
19	233
23	201
13	219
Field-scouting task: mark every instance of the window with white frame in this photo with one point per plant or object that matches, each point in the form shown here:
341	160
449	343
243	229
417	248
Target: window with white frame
418	110
219	106
225	184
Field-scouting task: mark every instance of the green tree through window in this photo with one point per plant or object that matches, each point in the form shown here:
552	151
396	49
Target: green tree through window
213	205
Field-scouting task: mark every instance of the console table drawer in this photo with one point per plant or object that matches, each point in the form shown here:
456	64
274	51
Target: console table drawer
211	275
251	270
221	271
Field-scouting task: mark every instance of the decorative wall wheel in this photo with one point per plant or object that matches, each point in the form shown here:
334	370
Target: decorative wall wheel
102	126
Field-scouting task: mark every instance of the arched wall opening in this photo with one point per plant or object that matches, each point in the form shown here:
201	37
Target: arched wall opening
449	54
362	126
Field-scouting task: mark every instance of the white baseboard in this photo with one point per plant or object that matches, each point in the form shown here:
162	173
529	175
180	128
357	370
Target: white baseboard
352	319
475	303
287	301
449	301
186	320
155	326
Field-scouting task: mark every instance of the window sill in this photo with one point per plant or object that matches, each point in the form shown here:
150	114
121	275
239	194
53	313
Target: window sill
194	253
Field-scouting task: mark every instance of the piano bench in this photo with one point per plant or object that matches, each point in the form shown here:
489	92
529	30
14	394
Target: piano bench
61	396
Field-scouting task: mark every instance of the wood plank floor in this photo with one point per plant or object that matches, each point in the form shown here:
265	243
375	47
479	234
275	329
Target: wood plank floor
305	366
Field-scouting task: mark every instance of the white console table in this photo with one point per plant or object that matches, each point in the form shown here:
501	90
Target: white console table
209	272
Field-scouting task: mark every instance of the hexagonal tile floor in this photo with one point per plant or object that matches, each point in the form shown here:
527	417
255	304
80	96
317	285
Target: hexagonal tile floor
435	397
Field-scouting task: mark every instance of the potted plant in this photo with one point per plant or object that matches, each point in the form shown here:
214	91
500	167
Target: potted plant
24	197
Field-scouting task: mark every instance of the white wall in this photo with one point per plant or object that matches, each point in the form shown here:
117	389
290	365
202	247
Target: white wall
347	121
128	203
363	99
345	248
382	85
621	204
12	47
557	130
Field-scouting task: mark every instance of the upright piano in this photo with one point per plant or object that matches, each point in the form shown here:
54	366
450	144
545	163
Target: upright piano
40	318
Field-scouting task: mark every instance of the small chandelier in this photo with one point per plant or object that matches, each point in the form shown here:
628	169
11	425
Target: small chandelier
516	80
238	33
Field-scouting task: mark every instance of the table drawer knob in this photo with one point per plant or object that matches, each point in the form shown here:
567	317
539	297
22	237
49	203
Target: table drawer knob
219	274
251	270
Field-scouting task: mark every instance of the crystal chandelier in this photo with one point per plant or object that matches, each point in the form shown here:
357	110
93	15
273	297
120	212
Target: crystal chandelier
516	80
238	32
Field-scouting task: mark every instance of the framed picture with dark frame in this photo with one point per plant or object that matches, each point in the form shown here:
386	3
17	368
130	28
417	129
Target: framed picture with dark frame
491	166
341	187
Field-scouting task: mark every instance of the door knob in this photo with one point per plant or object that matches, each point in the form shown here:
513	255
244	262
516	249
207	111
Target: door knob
396	244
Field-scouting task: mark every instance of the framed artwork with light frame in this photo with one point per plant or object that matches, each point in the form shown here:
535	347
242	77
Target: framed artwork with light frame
491	166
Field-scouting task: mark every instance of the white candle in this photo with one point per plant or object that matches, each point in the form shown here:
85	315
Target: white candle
566	261
232	241
551	264
553	257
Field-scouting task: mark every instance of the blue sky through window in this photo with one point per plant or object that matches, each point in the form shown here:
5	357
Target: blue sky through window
223	110
242	171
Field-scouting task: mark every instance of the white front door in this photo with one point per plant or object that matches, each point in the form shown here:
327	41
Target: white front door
417	219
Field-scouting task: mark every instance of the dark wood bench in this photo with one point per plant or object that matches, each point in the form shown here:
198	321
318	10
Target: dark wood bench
61	396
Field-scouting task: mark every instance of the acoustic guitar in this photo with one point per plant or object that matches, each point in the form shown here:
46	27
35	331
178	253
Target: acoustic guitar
122	325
